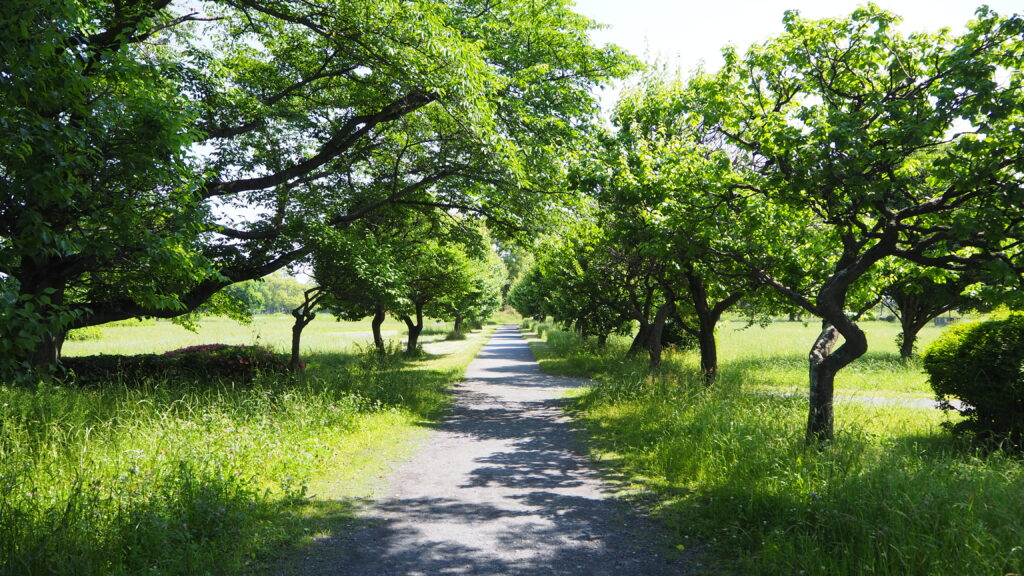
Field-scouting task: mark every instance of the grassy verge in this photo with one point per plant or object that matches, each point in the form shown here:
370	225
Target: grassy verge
727	469
205	478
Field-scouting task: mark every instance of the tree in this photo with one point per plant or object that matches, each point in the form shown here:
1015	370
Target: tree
481	296
409	262
856	144
578	281
304	313
433	273
916	299
357	268
96	193
666	178
191	150
528	295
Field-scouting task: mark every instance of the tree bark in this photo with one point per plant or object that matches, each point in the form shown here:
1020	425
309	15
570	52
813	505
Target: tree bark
375	324
457	328
824	364
708	350
910	329
907	343
653	343
295	363
640	340
708	316
822	377
414	330
602	340
304	314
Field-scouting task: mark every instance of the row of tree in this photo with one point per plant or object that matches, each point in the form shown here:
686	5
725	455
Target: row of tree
153	152
838	164
409	263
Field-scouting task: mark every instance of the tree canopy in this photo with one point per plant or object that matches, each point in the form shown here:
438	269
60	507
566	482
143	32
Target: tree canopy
813	162
186	147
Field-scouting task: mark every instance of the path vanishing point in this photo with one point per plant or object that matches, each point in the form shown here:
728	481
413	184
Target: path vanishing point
501	487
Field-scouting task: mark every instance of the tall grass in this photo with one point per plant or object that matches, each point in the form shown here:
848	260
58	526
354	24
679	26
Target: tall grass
727	468
174	477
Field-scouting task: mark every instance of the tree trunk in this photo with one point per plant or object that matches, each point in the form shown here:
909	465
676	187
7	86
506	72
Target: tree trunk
303	314
653	343
708	351
46	354
908	339
602	340
301	321
822	377
640	340
45	288
824	364
414	330
458	325
375	324
708	316
907	344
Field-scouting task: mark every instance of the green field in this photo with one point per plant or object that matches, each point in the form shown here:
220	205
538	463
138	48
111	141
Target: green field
727	470
775	357
183	477
324	334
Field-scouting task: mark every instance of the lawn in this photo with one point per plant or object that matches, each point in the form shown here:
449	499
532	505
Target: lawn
209	477
323	334
775	358
727	470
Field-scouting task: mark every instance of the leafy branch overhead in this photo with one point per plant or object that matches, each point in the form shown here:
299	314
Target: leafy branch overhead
191	146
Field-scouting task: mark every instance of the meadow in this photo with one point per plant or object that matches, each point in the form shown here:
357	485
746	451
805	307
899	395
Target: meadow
726	468
323	334
210	477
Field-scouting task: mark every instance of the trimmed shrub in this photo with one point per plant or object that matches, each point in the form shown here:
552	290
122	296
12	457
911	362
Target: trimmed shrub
980	364
227	362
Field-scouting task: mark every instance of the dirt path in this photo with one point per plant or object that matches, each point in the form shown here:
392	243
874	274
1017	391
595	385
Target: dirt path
499	488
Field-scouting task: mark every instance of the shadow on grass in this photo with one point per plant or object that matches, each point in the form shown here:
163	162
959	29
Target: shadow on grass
196	518
184	521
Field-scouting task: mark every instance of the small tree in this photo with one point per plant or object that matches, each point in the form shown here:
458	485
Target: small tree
848	141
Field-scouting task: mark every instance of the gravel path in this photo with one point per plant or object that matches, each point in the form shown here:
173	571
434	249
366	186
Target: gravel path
499	488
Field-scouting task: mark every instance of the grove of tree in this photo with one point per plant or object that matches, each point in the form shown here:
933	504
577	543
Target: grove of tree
154	152
157	156
808	168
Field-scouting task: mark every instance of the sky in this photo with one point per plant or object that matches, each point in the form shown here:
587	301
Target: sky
687	32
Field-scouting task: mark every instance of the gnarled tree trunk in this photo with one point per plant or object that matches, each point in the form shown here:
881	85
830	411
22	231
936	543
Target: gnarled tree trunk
653	342
414	330
824	364
375	324
303	314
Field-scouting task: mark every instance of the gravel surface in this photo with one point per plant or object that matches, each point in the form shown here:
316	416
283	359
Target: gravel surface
500	487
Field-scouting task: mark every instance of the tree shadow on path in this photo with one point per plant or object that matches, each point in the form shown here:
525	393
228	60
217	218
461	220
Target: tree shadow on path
500	488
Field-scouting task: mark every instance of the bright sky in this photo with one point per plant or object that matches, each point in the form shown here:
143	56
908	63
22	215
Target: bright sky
686	32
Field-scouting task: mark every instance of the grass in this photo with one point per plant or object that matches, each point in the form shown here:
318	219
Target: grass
323	334
727	470
775	358
207	478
